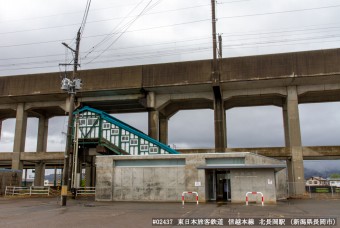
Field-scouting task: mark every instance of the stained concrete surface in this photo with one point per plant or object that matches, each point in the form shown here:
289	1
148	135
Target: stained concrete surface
45	212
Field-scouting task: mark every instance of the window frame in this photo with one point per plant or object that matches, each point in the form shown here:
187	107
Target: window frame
133	144
144	149
152	148
113	131
125	140
106	124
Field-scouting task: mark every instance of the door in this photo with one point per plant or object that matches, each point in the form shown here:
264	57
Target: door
223	187
211	185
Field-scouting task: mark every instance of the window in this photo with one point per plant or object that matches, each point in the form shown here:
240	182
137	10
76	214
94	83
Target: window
315	182
82	122
153	150
133	141
125	138
310	182
144	147
115	131
91	121
106	126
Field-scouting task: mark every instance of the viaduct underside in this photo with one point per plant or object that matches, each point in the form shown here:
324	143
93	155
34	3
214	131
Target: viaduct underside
284	80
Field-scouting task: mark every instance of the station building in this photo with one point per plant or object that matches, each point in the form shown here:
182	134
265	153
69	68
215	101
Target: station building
214	176
131	166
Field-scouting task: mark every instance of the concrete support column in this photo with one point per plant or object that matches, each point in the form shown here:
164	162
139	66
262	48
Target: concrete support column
39	175
154	124
20	136
293	141
42	134
220	125
163	129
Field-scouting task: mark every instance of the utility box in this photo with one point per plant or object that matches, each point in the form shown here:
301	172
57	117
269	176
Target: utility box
9	177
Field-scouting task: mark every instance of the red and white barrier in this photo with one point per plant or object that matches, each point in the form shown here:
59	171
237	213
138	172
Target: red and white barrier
254	193
189	193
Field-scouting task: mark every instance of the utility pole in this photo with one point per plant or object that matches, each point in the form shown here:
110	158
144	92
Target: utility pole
219	112
213	21
219	46
71	86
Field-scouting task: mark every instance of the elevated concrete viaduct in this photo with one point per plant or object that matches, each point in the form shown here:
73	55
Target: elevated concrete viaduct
284	80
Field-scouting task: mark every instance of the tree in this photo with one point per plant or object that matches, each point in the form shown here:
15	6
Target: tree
335	176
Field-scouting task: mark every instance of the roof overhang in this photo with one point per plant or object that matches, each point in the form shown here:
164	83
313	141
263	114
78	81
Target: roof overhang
276	167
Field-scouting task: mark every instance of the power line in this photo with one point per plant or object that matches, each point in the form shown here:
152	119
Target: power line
66	13
163	11
113	49
145	9
131	53
102	20
193	51
161	52
116	29
280	12
178	24
110	7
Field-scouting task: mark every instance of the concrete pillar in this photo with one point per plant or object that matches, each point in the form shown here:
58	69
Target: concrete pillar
55	177
42	134
293	141
20	136
154	124
25	180
220	125
163	129
39	175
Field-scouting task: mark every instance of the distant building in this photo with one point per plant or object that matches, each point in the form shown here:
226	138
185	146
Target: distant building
334	182
317	181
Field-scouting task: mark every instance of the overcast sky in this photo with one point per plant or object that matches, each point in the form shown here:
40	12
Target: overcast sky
31	33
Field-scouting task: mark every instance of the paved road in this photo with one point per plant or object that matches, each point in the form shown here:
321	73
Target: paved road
46	212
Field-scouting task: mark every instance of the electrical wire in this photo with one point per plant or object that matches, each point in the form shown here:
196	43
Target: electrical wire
279	12
171	51
106	8
113	31
102	20
226	17
128	25
83	23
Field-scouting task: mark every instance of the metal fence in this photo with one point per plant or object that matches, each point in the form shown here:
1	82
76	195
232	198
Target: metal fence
323	191
33	190
312	191
86	191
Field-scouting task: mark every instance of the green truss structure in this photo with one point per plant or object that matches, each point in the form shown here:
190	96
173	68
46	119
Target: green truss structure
112	136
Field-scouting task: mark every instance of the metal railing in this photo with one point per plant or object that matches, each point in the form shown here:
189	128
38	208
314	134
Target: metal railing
14	190
86	191
313	191
40	190
33	190
189	193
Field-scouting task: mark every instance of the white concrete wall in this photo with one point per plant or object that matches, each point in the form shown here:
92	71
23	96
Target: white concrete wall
148	183
252	180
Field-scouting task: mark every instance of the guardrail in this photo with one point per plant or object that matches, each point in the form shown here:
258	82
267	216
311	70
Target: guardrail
189	193
254	193
86	191
33	190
